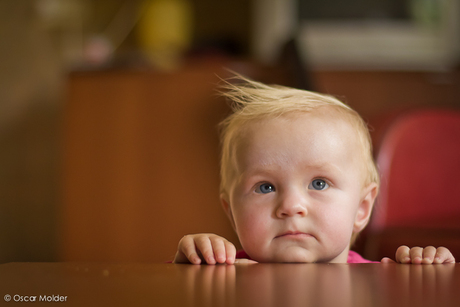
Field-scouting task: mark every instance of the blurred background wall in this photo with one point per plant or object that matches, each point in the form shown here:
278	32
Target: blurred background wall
103	102
42	42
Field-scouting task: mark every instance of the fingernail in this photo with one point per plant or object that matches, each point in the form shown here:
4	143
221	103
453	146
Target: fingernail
221	259
406	259
211	259
196	260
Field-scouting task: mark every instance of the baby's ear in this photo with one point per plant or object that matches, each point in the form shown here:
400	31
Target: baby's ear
364	211
228	210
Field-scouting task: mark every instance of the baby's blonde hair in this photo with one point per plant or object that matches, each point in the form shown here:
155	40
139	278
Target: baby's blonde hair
253	101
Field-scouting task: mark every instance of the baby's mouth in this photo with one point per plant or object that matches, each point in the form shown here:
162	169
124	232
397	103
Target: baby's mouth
294	234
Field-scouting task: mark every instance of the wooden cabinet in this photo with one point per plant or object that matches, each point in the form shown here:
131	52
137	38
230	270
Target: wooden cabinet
140	163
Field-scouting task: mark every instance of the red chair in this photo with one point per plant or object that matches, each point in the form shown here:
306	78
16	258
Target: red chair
419	199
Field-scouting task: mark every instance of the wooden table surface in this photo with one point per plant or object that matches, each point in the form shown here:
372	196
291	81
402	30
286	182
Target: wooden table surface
144	284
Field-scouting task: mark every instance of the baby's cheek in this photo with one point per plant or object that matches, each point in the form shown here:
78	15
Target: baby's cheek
339	230
252	233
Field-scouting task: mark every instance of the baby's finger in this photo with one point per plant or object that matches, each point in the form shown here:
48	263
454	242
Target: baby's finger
203	244
443	255
186	251
218	248
403	254
416	255
230	251
428	255
387	260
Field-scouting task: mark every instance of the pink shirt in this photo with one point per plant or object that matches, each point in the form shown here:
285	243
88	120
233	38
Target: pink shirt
353	257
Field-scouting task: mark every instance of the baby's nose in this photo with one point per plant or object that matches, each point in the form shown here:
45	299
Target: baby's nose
292	205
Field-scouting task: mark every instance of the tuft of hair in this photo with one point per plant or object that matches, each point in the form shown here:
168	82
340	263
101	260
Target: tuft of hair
252	101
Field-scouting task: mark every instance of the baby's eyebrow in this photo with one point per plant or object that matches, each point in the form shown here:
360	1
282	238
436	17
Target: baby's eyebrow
256	172
327	168
324	165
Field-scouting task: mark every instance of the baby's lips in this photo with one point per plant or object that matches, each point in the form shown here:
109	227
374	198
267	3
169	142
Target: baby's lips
294	233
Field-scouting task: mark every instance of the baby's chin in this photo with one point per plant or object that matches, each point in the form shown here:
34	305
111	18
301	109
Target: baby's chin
289	255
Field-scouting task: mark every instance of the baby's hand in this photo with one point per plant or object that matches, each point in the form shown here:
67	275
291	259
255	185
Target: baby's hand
206	247
418	255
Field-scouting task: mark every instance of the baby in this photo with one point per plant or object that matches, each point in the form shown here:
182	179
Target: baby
298	182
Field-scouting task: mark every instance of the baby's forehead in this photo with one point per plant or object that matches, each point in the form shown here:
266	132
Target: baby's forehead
329	132
299	126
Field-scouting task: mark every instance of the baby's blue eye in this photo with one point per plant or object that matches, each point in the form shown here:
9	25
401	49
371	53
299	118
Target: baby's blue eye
318	184
265	188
